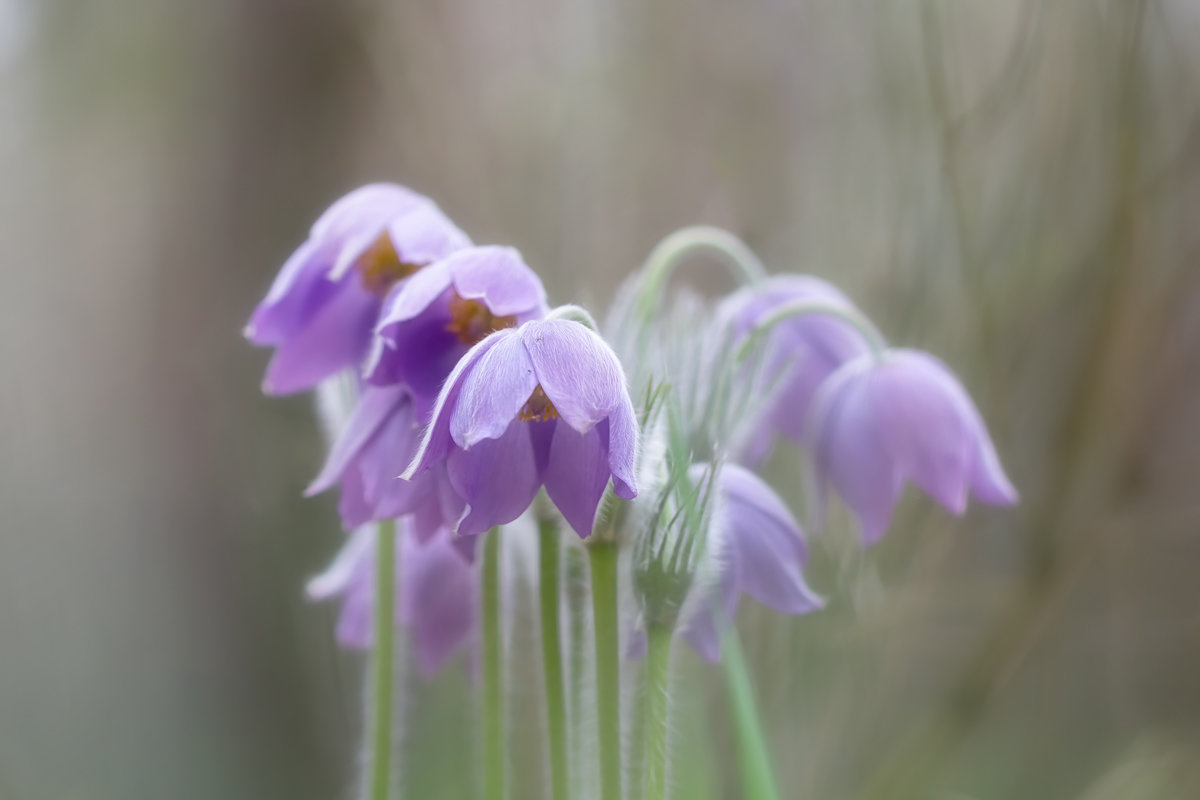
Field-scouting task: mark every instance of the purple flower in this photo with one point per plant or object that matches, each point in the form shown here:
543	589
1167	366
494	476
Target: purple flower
877	423
431	320
542	404
800	352
758	550
321	310
437	598
375	445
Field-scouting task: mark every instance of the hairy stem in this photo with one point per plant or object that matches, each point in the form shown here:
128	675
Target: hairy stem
556	710
382	662
656	707
602	557
740	259
493	678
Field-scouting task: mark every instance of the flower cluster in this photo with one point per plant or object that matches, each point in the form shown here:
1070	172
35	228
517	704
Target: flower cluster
472	398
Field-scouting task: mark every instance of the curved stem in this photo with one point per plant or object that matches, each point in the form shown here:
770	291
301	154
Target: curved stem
754	761
556	710
744	265
493	683
382	664
602	557
575	314
657	707
860	323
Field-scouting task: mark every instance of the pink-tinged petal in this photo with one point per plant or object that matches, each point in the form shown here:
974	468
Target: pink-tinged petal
499	277
437	441
412	296
768	542
494	392
498	478
299	289
373	408
848	452
335	339
577	370
439	598
622	433
576	476
424	235
919	421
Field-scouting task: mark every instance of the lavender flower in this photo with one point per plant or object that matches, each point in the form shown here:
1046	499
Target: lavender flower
800	352
321	310
437	598
757	549
879	422
431	320
376	443
542	404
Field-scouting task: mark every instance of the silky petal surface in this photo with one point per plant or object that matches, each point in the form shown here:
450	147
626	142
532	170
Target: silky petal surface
493	392
372	409
576	475
424	235
577	370
622	431
497	478
498	277
409	298
300	288
439	597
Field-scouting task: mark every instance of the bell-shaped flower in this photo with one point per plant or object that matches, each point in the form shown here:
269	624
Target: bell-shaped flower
436	601
376	443
431	320
542	404
799	351
755	547
320	312
879	422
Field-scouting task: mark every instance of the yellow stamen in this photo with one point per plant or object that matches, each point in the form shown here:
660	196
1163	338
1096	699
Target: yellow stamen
381	268
471	320
538	408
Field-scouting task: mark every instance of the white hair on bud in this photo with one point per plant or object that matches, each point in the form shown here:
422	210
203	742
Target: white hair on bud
335	399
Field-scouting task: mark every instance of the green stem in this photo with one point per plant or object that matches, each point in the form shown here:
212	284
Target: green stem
493	683
754	762
657	700
864	326
674	248
556	711
382	665
602	557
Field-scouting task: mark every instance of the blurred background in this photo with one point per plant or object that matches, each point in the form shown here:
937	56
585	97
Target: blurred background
1015	186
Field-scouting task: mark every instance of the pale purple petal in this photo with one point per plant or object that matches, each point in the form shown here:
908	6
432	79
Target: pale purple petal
498	277
437	440
848	452
493	392
419	352
919	421
373	408
578	371
622	449
361	226
498	479
411	296
576	476
439	599
701	629
301	286
336	338
371	205
424	235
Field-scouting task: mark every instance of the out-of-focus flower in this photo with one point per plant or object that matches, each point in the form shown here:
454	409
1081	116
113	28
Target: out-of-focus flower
374	446
320	312
879	422
756	548
542	404
431	320
437	598
799	352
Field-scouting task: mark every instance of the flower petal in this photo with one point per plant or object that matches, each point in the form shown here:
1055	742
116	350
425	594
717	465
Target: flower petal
577	370
576	476
493	392
498	479
410	297
298	290
424	235
362	217
622	434
439	596
419	352
336	338
373	408
499	277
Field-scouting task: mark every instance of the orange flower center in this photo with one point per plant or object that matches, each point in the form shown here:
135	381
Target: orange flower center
471	320
538	408
381	268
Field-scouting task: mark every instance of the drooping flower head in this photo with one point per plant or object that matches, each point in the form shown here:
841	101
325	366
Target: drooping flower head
544	404
799	352
437	599
376	443
877	423
757	549
320	312
431	320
